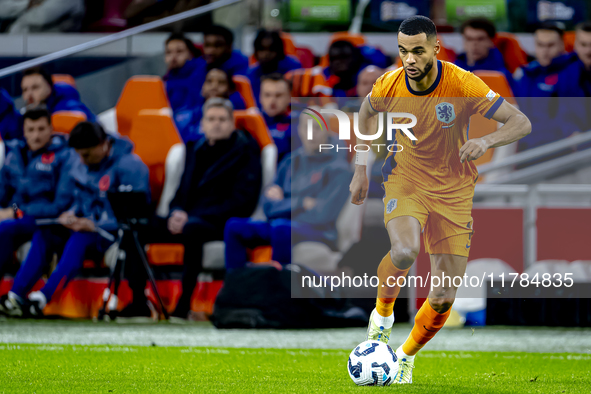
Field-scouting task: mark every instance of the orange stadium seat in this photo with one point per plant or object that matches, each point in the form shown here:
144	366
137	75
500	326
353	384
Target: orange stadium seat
306	57
63	78
65	121
569	41
244	88
139	92
308	82
288	45
254	123
153	133
479	125
513	54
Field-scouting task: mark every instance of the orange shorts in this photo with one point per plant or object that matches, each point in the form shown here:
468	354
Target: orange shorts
446	220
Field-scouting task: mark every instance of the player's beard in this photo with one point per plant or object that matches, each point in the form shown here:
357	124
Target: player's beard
423	73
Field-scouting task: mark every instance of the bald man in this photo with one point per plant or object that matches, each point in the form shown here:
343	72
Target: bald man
366	79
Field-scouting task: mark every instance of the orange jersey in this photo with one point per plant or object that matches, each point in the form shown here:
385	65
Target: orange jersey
443	113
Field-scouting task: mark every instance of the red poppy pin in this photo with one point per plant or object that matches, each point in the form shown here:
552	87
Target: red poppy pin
48	158
105	183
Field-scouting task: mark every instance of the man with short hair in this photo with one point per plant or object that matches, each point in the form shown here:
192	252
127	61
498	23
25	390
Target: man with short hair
480	52
34	179
222	179
429	181
275	101
539	78
575	80
218	52
105	164
38	88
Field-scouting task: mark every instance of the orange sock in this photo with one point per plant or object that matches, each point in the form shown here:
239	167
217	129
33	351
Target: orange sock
427	323
388	273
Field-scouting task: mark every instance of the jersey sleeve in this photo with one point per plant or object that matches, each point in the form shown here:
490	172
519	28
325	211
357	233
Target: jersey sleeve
482	99
379	94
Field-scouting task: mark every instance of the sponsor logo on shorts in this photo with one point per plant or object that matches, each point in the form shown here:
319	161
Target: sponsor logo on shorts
391	205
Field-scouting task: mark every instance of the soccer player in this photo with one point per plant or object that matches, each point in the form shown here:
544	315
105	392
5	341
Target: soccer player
428	185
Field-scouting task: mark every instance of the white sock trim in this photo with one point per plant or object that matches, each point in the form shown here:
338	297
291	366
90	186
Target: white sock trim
382	321
400	354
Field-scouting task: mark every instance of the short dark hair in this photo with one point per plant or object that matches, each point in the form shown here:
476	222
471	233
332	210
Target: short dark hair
181	37
480	24
276	45
39	71
87	135
217	30
276	77
550	26
341	44
584	26
37	112
416	25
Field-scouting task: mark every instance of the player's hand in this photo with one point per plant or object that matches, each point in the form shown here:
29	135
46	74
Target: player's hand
274	193
83	225
473	149
177	221
67	219
359	185
6	213
309	203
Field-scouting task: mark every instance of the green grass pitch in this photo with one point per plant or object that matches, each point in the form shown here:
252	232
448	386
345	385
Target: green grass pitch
28	368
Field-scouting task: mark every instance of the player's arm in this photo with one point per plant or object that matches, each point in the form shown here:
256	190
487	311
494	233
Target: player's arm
360	184
515	126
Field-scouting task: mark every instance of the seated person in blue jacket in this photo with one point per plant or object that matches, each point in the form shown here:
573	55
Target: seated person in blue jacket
105	164
303	204
38	88
537	82
217	84
222	179
218	52
11	122
180	56
35	177
480	52
275	100
575	80
271	59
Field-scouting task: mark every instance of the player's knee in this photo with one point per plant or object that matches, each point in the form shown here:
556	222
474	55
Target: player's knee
441	304
403	256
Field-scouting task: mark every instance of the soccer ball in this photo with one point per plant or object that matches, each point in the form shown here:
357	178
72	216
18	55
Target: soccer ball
372	363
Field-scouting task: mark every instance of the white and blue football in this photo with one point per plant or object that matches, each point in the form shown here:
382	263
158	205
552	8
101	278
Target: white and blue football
372	363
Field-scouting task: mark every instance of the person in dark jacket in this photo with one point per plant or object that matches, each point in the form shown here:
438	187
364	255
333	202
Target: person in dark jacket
303	204
35	177
271	59
106	164
222	179
11	122
38	88
480	52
